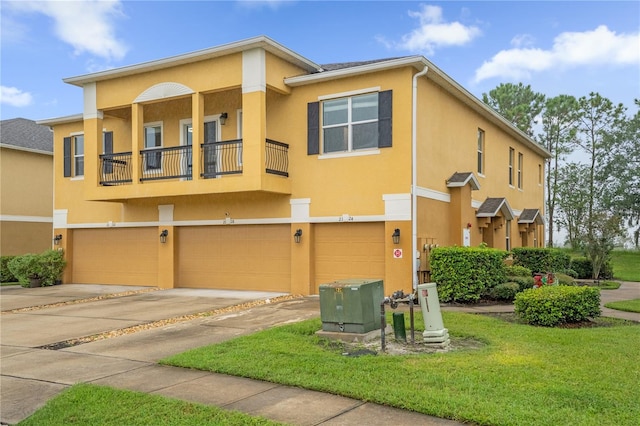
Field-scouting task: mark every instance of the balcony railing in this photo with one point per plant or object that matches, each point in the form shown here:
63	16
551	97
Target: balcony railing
221	158
277	158
217	159
115	169
165	163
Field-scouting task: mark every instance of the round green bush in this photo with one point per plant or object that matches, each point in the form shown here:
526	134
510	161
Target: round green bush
504	291
553	305
517	271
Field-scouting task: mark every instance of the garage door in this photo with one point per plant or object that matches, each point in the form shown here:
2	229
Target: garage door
348	250
126	256
247	257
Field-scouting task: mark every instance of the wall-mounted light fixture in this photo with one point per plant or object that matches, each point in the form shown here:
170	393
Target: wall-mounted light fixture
223	118
163	236
57	239
297	235
469	225
396	236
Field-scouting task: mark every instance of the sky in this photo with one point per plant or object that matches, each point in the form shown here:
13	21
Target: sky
556	47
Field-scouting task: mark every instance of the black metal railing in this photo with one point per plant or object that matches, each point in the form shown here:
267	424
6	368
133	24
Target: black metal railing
221	158
115	169
165	163
277	158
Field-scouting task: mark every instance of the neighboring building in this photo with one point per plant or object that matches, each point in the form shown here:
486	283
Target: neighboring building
230	155
26	187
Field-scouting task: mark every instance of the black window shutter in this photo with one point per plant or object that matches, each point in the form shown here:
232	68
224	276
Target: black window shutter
313	128
108	149
66	148
384	119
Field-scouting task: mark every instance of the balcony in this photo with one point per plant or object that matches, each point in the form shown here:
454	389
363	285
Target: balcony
175	163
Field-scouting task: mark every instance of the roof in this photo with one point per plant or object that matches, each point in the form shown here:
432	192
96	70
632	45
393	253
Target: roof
461	179
27	135
492	206
200	55
343	65
531	216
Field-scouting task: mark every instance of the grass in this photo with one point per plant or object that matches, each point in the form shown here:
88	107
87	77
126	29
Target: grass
523	375
626	265
7	284
84	404
625	305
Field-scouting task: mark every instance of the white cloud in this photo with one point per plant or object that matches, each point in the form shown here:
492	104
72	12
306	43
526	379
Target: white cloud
433	32
14	97
87	25
598	47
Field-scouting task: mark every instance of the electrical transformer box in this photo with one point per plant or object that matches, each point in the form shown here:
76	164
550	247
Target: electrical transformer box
351	306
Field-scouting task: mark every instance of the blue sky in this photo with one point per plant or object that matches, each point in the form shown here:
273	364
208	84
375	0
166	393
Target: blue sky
556	47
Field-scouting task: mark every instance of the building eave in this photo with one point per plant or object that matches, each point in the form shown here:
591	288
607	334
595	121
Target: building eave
19	148
226	49
61	120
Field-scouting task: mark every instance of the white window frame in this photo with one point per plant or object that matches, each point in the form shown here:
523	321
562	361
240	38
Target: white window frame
520	165
512	156
349	123
481	149
73	136
206	119
160	124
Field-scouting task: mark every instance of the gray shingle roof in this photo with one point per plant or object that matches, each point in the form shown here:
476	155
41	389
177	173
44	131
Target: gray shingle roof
342	65
461	179
24	133
531	216
492	206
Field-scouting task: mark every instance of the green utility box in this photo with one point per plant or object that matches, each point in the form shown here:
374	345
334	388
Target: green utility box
351	306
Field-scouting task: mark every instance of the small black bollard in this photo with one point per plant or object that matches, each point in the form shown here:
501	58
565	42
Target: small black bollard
398	326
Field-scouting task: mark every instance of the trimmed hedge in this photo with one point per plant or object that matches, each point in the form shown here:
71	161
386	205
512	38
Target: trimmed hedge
553	305
517	271
505	291
47	266
6	276
541	259
584	269
464	274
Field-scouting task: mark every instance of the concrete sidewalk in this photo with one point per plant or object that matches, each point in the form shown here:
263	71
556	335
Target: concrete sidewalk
32	375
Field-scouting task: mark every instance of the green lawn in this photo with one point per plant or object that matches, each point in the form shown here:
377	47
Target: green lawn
626	265
522	374
625	305
98	405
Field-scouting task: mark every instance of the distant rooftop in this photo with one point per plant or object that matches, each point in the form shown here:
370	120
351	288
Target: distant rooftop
342	65
26	134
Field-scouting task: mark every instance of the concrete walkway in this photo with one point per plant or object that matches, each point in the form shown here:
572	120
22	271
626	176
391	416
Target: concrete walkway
32	375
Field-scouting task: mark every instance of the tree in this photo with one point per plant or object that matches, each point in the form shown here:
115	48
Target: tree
601	124
598	243
624	197
559	129
517	103
573	201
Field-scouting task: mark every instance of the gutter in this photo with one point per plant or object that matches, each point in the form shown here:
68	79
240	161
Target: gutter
414	177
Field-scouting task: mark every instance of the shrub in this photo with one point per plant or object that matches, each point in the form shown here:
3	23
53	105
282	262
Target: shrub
541	259
553	305
564	279
570	272
505	291
464	274
584	270
517	271
6	276
523	282
47	266
24	267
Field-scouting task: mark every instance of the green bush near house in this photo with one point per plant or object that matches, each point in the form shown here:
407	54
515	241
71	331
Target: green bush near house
505	291
47	266
553	305
584	270
516	271
465	274
541	259
6	276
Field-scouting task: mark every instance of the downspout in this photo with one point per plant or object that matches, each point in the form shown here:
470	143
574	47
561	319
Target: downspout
414	178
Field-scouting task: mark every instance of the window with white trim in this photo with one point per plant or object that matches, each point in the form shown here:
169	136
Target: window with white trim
78	155
350	124
480	151
520	161
152	139
512	154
